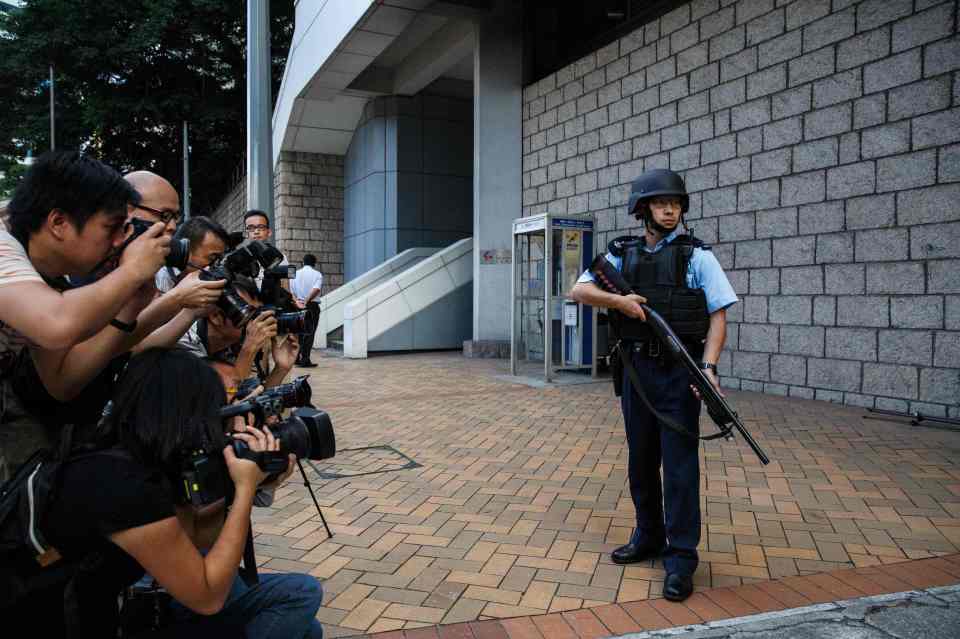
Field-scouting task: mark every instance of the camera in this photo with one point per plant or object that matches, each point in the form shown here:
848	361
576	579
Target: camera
271	290
245	260
179	255
296	322
307	433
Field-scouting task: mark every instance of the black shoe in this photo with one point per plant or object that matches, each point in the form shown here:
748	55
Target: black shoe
677	587
634	552
306	365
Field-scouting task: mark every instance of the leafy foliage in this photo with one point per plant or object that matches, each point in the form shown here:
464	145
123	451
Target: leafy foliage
128	73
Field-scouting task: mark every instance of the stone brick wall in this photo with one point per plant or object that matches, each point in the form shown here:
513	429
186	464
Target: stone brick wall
308	206
230	211
309	210
818	141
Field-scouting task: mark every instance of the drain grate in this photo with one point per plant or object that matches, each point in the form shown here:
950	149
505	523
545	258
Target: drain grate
368	460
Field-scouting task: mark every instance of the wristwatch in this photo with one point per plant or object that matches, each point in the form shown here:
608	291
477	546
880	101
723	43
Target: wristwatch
708	366
124	326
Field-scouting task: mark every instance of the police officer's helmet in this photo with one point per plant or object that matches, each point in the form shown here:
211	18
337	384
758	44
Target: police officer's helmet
657	182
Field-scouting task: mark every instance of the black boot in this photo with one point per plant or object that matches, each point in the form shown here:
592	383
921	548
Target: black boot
640	548
677	587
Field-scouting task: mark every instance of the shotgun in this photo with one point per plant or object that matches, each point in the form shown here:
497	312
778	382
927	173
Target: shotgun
612	281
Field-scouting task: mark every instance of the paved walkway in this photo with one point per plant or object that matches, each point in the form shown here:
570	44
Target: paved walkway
520	494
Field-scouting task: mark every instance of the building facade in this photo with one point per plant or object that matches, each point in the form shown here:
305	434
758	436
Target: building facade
819	140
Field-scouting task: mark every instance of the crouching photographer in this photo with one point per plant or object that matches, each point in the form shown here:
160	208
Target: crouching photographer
240	329
163	432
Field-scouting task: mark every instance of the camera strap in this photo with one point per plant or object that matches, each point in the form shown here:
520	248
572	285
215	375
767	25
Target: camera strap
248	572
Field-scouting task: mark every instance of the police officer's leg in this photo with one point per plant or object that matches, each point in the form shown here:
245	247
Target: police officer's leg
681	473
643	467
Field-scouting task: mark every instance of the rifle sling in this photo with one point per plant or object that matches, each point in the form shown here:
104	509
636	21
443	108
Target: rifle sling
668	421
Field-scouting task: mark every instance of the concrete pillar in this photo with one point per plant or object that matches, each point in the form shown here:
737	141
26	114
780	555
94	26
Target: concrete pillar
497	172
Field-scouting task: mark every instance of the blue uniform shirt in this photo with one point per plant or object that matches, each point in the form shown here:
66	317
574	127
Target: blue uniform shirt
705	272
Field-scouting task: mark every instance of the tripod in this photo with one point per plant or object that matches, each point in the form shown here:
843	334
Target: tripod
309	487
917	418
248	571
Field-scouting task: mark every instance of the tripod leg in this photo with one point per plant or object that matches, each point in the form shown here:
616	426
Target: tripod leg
306	484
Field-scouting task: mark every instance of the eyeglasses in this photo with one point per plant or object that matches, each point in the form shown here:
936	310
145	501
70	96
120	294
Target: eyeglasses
165	216
256	227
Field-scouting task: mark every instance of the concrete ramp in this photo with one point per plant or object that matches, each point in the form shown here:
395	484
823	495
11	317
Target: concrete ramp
333	305
427	306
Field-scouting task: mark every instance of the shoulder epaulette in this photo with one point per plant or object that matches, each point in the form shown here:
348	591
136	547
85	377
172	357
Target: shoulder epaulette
690	240
618	244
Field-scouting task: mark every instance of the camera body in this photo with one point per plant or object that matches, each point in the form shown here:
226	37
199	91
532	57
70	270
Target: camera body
307	433
179	255
245	260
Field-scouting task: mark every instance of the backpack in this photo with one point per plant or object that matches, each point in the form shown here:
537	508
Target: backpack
31	568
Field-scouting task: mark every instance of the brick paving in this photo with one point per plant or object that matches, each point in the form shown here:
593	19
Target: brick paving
521	494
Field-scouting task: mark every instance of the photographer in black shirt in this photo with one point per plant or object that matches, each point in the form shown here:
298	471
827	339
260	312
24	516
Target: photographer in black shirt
125	509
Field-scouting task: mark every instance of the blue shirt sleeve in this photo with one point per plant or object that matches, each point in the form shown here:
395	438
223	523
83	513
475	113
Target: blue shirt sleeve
587	276
706	273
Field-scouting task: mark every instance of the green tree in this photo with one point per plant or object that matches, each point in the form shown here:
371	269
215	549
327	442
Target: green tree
128	73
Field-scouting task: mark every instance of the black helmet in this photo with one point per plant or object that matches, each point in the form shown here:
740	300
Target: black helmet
658	182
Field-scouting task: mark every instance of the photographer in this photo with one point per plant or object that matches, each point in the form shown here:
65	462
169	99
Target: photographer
165	410
217	335
159	201
66	217
256	225
208	241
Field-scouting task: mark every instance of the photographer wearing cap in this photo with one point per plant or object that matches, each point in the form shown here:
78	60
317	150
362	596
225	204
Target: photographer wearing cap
66	217
165	413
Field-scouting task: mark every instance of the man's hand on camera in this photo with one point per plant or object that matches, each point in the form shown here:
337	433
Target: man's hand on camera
193	293
260	329
146	254
285	351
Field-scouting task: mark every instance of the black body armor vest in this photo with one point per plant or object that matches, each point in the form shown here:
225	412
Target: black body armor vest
661	277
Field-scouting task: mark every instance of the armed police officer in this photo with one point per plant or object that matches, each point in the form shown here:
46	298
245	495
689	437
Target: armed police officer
680	278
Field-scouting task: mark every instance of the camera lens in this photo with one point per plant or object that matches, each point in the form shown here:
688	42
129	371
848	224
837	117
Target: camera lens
233	306
296	393
308	434
299	323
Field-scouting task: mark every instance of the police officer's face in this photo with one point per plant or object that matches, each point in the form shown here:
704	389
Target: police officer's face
666	210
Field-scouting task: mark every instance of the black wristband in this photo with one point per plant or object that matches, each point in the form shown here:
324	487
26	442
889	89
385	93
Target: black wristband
124	326
708	366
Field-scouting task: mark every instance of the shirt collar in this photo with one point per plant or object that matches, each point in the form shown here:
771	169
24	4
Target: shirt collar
659	245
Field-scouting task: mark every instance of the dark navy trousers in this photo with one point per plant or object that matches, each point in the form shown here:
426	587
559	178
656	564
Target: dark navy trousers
667	510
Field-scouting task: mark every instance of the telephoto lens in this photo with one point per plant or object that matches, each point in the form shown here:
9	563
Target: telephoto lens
294	394
308	434
298	323
230	302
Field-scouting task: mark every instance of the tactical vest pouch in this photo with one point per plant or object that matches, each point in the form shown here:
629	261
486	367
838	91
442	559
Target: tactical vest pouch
684	309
